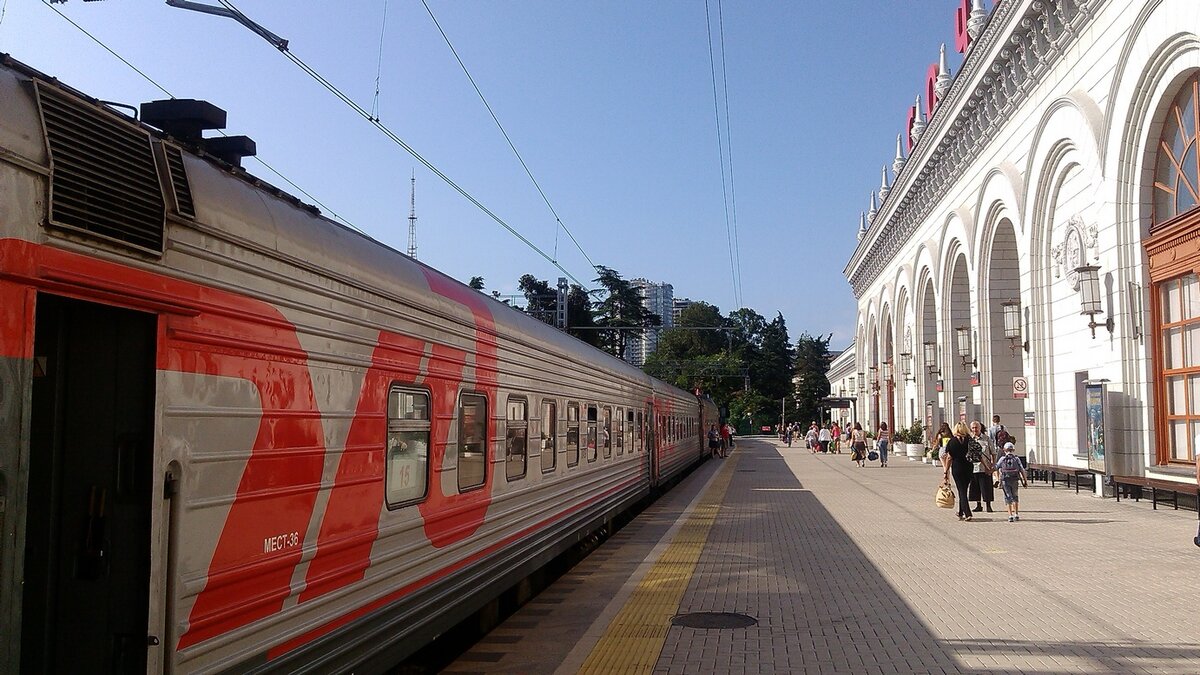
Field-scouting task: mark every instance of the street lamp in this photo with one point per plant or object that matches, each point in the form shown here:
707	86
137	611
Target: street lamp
1012	325
963	334
1089	297
931	359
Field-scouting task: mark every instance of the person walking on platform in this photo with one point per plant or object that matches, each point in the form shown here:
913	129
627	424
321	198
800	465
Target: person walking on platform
823	439
726	439
958	466
835	433
882	438
940	439
981	482
1009	470
787	435
714	441
858	445
810	438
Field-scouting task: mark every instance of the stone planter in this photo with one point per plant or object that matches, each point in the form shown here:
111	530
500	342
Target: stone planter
916	451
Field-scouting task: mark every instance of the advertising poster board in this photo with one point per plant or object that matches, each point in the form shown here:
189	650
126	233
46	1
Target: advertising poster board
1094	403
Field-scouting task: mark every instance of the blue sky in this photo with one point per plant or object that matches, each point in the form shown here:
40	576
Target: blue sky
610	104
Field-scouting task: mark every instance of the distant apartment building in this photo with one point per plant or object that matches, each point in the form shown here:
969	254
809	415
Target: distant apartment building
677	307
659	299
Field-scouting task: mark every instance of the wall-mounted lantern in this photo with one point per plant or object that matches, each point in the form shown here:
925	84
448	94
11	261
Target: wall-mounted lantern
931	360
1089	297
906	367
963	338
886	369
852	388
874	370
1012	326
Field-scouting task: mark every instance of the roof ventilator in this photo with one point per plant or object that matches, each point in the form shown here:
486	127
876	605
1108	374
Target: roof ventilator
104	180
187	119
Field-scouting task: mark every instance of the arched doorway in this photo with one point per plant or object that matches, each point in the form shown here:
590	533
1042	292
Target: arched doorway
928	366
960	336
1006	359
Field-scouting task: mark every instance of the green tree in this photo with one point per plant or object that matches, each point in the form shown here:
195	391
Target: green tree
581	320
772	369
541	301
812	362
620	310
750	409
476	283
696	355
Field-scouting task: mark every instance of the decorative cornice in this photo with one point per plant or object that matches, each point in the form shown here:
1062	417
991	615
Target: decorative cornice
1021	42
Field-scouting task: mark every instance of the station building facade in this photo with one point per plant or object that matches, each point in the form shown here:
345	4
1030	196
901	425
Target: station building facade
1054	183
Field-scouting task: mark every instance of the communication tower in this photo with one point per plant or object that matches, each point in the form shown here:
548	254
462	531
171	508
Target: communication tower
412	219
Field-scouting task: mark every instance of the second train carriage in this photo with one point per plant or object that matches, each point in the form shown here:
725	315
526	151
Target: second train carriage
318	451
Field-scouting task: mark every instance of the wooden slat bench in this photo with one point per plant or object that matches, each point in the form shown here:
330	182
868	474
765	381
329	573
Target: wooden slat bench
1155	484
1050	472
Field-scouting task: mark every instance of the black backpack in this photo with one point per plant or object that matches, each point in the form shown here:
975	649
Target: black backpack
1002	437
974	451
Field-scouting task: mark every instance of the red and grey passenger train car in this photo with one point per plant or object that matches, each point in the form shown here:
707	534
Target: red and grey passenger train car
238	437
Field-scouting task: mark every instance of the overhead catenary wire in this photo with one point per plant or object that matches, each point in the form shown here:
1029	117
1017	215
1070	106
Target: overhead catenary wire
721	155
392	136
737	249
500	126
379	62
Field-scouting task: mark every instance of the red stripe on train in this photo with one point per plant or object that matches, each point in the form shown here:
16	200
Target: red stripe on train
350	523
452	517
207	332
299	641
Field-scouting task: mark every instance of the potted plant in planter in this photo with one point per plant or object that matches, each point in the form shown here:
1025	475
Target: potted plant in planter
916	441
899	442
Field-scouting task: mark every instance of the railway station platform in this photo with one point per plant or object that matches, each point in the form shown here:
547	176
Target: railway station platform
847	569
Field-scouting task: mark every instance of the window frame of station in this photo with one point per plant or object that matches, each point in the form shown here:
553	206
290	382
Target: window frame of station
548	432
400	424
508	427
458	442
1170	232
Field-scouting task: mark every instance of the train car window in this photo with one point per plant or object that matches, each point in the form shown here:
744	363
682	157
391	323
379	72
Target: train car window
516	439
572	434
629	430
472	441
640	431
407	446
606	443
591	433
619	437
549	437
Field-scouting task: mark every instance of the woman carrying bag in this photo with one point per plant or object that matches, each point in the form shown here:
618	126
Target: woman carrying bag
960	468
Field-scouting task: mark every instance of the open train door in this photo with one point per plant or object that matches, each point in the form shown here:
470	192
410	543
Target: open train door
84	604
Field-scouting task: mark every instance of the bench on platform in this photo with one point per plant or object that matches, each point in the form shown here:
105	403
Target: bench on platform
1050	472
1136	484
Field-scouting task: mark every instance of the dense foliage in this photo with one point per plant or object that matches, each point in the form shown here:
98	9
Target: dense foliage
747	364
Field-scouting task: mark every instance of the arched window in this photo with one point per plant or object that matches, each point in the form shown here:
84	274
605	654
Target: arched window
1175	284
1177	170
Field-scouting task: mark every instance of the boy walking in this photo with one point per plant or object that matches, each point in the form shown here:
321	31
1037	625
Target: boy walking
1010	470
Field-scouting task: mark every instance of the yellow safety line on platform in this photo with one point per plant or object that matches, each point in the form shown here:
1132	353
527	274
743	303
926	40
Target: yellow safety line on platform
635	637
